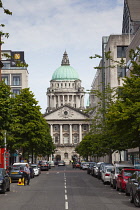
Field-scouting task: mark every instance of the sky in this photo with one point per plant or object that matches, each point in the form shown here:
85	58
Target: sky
44	29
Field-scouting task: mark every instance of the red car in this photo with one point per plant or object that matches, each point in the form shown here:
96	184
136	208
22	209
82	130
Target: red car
76	165
123	177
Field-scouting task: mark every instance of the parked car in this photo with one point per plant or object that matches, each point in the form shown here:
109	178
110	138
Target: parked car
4	181
81	164
51	163
116	170
101	168
123	177
61	163
91	165
35	169
15	172
85	165
94	171
135	189
130	181
44	166
106	173
76	165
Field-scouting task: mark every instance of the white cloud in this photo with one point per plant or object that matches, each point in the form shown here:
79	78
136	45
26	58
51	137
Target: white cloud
45	28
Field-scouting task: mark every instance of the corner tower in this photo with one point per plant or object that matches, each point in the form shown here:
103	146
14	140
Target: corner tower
65	87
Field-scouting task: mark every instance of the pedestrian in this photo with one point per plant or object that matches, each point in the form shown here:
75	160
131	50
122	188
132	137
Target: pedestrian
27	173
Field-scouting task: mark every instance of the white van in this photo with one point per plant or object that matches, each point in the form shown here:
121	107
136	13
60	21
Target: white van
19	164
117	169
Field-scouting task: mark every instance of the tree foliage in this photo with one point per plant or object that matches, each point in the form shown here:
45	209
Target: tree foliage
28	128
117	125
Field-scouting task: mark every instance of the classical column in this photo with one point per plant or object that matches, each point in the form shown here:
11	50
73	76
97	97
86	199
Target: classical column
54	102
61	136
51	105
59	102
63	100
10	82
80	133
70	133
48	101
68	99
80	101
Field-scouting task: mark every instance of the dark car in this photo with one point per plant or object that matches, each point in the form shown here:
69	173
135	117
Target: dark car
90	167
44	166
134	183
16	172
4	181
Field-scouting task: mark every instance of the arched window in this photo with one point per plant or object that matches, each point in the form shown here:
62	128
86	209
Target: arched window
66	155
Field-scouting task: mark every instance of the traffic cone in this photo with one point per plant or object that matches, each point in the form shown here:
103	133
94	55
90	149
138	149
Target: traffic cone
21	181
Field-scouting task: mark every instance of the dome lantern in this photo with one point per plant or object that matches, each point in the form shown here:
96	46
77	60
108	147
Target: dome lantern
65	60
65	71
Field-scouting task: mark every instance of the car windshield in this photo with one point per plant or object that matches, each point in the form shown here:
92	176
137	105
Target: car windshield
17	168
109	169
128	173
33	166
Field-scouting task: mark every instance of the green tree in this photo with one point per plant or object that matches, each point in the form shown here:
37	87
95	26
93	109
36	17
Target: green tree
5	104
125	113
28	127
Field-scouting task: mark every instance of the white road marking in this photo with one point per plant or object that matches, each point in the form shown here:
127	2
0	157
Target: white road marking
66	205
66	197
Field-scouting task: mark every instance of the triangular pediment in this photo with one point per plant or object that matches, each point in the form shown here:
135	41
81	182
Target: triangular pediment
66	113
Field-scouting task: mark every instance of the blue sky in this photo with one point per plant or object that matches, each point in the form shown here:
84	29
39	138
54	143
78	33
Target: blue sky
44	29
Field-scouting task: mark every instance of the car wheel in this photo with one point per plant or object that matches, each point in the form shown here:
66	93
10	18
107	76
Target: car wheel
117	188
131	197
126	192
4	190
136	200
121	188
114	186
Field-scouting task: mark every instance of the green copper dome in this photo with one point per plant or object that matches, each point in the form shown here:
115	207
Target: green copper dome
65	71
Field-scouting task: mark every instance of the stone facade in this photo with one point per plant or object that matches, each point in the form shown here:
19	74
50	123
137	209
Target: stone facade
64	114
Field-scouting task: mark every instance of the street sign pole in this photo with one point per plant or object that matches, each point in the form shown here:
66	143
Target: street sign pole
5	150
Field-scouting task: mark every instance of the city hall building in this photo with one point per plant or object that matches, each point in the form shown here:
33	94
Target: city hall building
65	111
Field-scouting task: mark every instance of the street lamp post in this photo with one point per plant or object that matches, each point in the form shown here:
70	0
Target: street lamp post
5	150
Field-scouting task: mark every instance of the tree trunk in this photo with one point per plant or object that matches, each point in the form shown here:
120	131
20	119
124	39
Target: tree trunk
120	156
110	157
32	156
